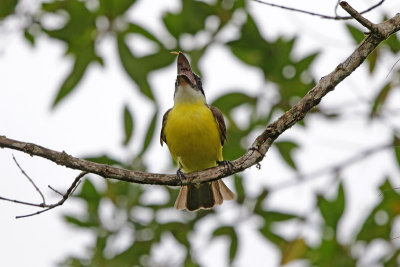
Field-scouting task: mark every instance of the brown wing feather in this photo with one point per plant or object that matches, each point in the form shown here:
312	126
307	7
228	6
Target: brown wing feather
164	120
219	118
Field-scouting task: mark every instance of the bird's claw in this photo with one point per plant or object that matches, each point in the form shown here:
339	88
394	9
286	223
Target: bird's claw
227	164
180	176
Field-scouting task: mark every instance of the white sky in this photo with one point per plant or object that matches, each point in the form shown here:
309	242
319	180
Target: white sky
90	122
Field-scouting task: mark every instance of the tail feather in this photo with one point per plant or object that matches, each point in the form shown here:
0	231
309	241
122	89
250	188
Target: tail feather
180	202
226	193
215	188
203	196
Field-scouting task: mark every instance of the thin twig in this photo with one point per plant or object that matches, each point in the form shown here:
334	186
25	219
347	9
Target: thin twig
56	191
47	207
30	180
336	8
41	205
357	16
334	168
391	69
69	192
336	17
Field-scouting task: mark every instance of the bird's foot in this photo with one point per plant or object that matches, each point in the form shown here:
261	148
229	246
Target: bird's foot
227	164
180	175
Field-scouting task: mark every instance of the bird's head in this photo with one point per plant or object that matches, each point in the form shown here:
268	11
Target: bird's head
188	87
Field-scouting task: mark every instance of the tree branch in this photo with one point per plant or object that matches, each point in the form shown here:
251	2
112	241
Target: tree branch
30	180
64	198
336	17
259	147
363	21
47	207
335	168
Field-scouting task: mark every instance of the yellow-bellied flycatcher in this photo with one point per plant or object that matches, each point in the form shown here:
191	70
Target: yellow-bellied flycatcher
195	133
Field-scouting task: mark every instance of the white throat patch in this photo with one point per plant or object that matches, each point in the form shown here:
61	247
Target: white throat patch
186	94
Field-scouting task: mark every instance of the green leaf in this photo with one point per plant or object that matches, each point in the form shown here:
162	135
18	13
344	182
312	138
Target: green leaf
293	250
396	147
357	34
128	125
248	48
274	59
193	14
114	8
149	134
305	63
189	261
190	19
124	195
72	79
133	256
270	218
380	100
89	193
179	231
232	100
138	68
230	232
380	221
391	260
330	253
240	195
29	37
372	58
7	7
332	211
275	216
78	222
134	28
286	149
393	42
260	200
133	68
274	238
79	34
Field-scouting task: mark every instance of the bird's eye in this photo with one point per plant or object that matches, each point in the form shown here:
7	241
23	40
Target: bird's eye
198	81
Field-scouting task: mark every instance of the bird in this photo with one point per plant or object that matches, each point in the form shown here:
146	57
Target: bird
195	133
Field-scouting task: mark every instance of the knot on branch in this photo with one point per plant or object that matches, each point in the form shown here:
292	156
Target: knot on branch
63	158
29	149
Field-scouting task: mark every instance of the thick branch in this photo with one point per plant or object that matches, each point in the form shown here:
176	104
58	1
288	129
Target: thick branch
260	146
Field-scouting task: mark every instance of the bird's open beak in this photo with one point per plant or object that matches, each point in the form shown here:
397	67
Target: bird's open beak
185	73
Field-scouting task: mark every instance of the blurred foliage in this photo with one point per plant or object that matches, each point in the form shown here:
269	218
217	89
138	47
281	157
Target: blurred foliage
391	46
7	7
118	210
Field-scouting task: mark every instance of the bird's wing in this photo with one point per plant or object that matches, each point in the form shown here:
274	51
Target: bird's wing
219	119
164	120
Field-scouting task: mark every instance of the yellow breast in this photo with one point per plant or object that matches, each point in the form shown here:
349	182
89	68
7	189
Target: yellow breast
192	137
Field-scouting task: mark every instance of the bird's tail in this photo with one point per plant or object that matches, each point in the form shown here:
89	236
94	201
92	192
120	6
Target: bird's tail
203	196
